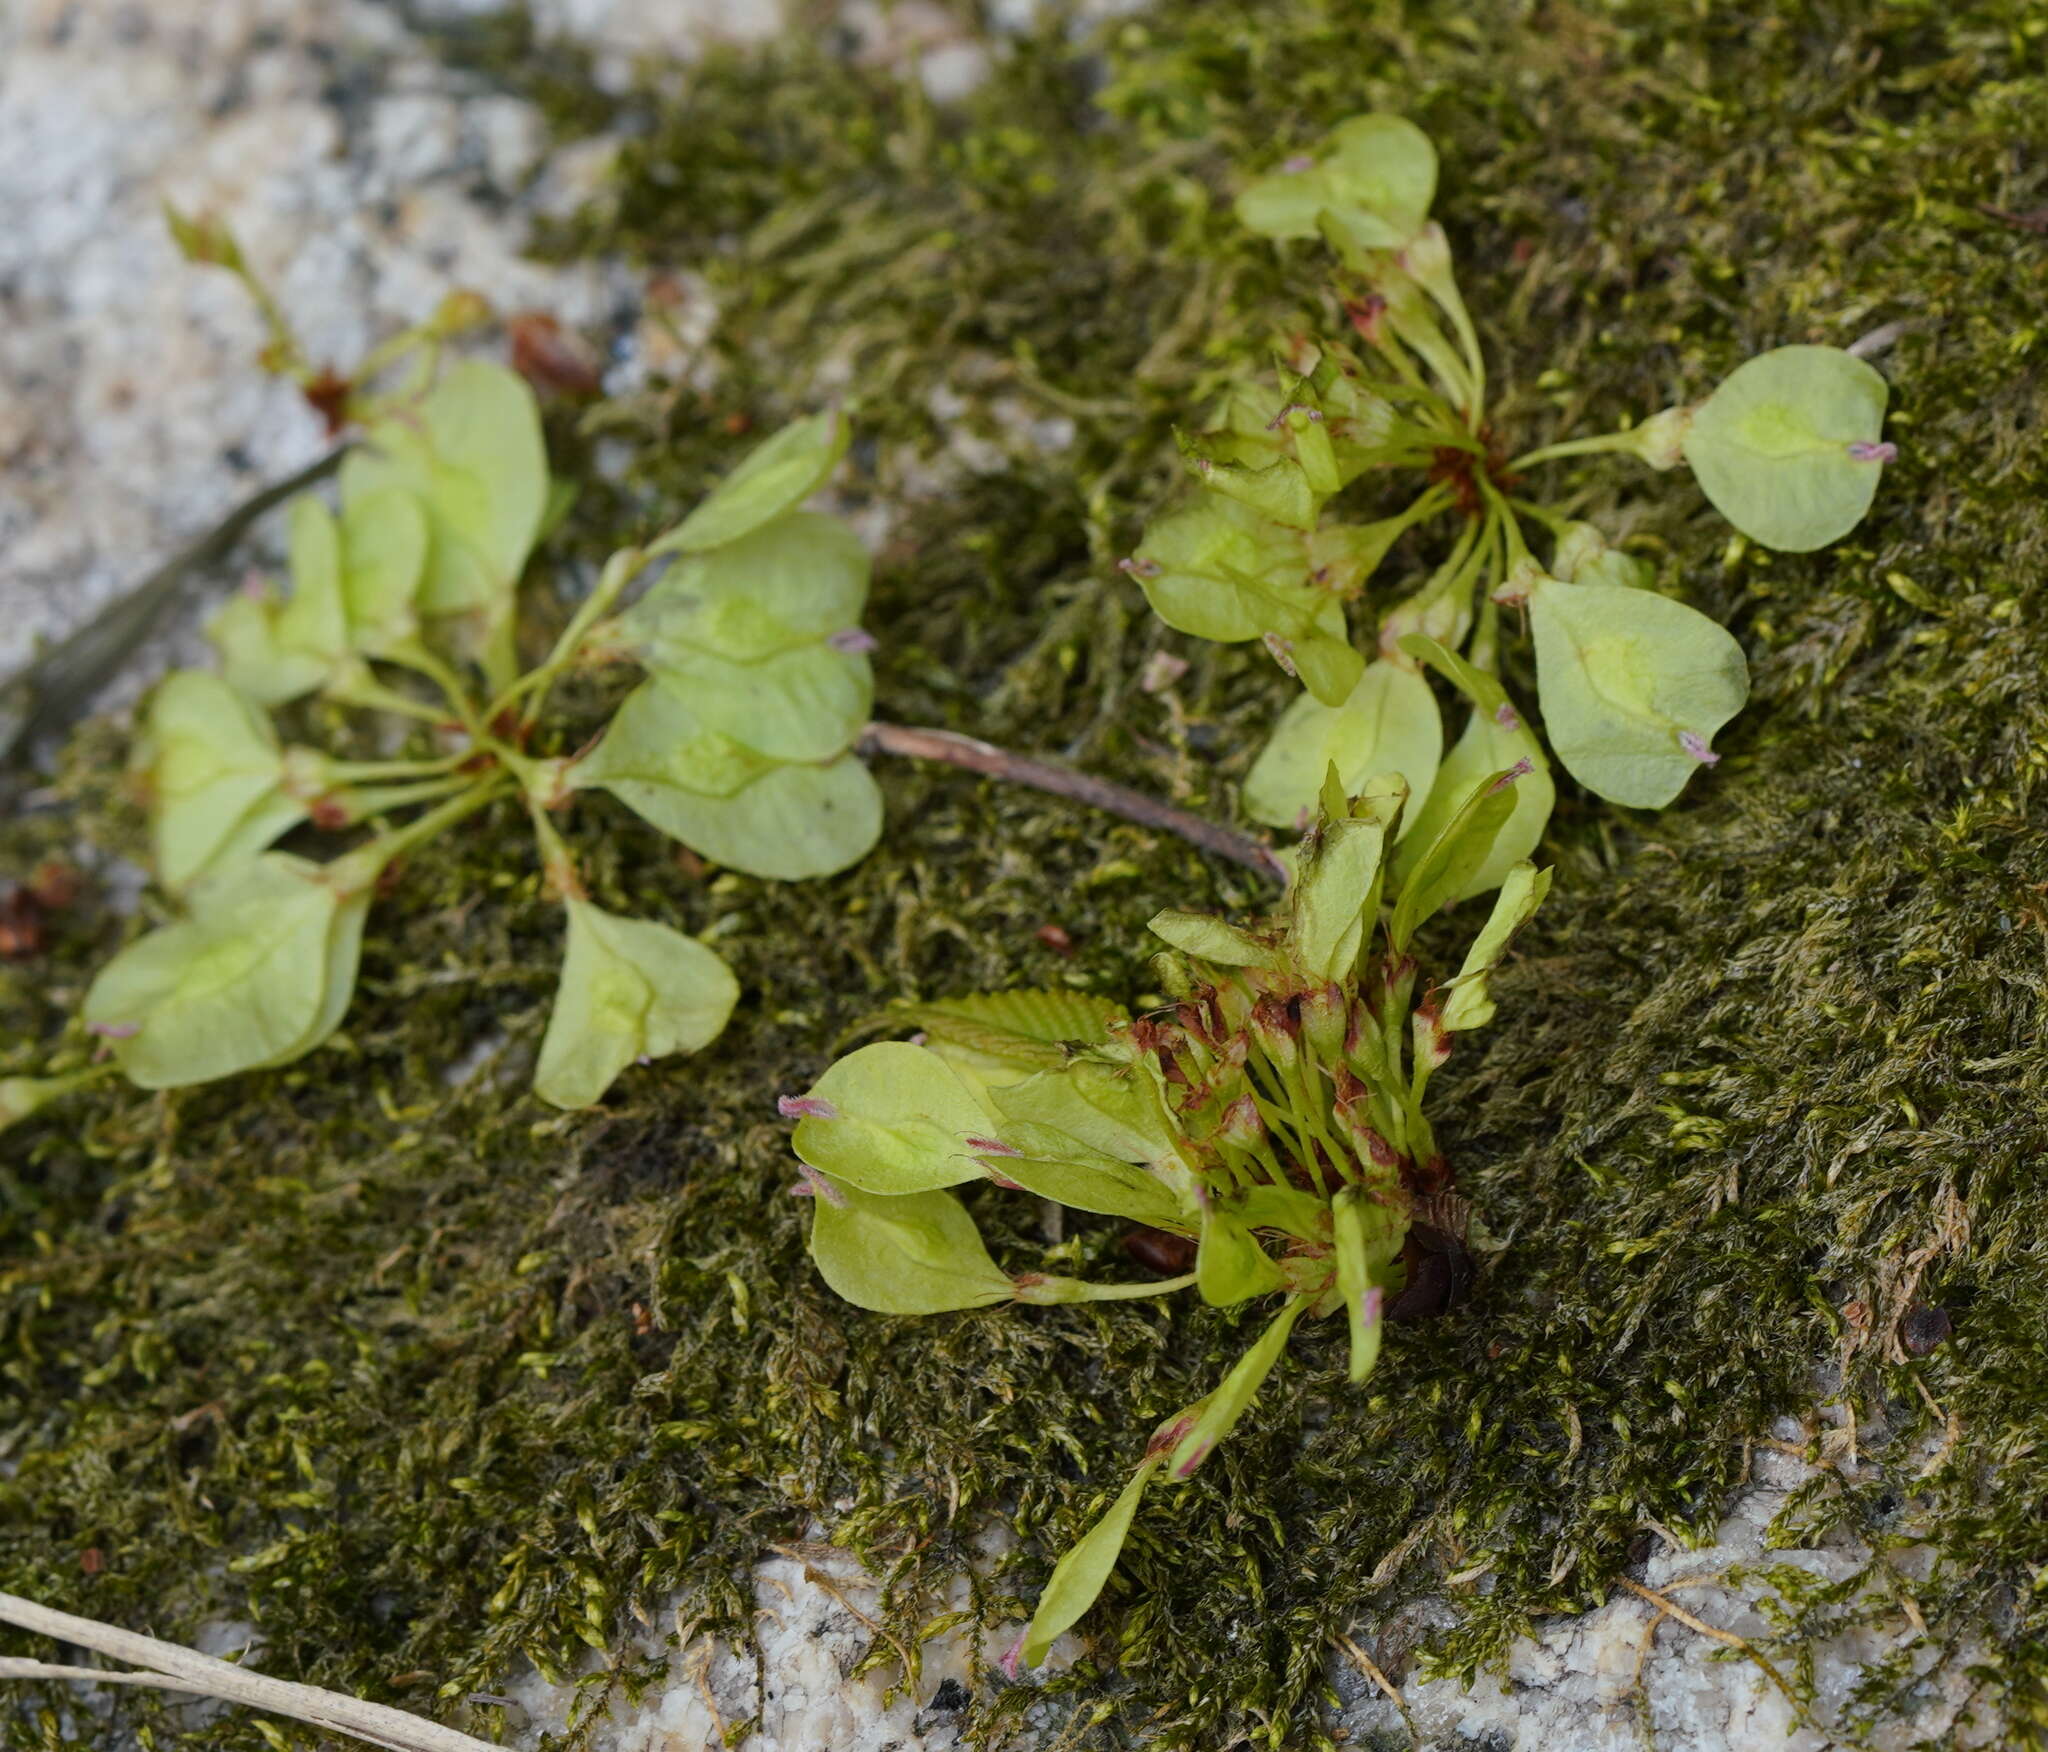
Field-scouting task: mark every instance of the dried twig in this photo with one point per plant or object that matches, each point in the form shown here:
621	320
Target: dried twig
1017	769
2035	220
1671	1609
58	686
170	1667
1370	1668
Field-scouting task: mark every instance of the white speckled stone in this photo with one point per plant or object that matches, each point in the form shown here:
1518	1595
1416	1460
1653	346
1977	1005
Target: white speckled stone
363	180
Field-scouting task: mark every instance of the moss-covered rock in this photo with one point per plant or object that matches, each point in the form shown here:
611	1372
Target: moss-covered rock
422	1377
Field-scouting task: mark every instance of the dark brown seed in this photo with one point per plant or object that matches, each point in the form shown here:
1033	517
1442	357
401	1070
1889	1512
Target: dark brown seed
549	357
1924	1329
1440	1275
1157	1251
1055	939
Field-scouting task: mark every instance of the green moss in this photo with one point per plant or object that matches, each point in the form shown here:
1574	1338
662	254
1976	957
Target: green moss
422	1378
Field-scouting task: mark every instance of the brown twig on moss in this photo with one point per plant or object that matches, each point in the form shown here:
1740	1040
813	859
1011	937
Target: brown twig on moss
982	757
1667	1608
170	1667
59	686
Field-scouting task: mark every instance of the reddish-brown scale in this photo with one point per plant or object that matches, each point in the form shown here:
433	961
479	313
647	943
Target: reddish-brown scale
21	925
327	393
1460	471
1429	1179
1366	316
508	726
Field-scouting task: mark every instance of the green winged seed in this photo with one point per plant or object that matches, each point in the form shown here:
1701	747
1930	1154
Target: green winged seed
655	740
1006	1037
794	823
1078	1578
791	582
1633	687
1230	1265
630	989
1468	999
1044	1160
1788	448
735	806
256	974
384	544
23	1097
1336	896
1364	1238
1584	557
1211	939
1232	1399
1458	852
314	620
1389	724
892	1119
1496	739
1373	180
917	1254
1217	569
472	454
1279	490
1108	1108
1329	666
806	704
244	634
775	477
215	778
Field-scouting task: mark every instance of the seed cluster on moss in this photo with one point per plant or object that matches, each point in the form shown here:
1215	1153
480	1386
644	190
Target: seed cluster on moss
421	1379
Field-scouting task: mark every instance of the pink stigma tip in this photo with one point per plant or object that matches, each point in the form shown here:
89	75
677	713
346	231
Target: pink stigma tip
1695	745
1873	452
815	1185
804	1107
1520	770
